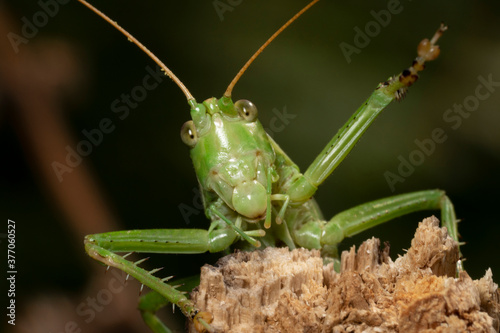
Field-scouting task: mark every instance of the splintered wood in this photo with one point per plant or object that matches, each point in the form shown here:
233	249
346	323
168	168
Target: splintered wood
277	290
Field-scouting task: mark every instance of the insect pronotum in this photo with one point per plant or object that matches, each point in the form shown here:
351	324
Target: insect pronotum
253	193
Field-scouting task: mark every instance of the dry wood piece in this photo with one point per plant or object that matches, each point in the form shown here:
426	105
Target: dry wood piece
277	290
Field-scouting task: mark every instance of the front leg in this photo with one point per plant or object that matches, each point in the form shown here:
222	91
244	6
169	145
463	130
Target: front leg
104	248
347	137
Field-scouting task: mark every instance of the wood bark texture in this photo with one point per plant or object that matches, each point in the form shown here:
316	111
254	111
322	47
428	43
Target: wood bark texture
277	290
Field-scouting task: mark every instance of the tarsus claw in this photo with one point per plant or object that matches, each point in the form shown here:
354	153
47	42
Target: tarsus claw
202	322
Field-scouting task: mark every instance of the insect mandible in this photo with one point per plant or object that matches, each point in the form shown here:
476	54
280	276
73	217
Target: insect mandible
254	194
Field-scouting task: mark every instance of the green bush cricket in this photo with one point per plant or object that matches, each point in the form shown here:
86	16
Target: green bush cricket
254	194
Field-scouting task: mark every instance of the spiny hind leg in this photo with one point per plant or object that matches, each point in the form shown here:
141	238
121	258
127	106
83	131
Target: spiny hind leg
150	303
104	248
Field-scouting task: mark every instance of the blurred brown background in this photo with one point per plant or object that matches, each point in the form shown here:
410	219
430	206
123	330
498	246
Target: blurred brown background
65	77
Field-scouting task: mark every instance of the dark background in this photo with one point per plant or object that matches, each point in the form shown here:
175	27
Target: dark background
143	170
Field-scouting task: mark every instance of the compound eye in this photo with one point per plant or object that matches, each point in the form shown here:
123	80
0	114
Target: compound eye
246	109
188	134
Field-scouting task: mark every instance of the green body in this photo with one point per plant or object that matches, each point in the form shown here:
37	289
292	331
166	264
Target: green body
234	158
255	196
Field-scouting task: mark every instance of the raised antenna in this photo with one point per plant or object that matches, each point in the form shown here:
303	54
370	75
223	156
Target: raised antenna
131	38
259	51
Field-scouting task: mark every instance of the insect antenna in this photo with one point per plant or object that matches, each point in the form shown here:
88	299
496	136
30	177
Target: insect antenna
259	51
132	39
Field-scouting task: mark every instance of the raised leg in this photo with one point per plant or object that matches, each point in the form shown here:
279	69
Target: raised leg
347	137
